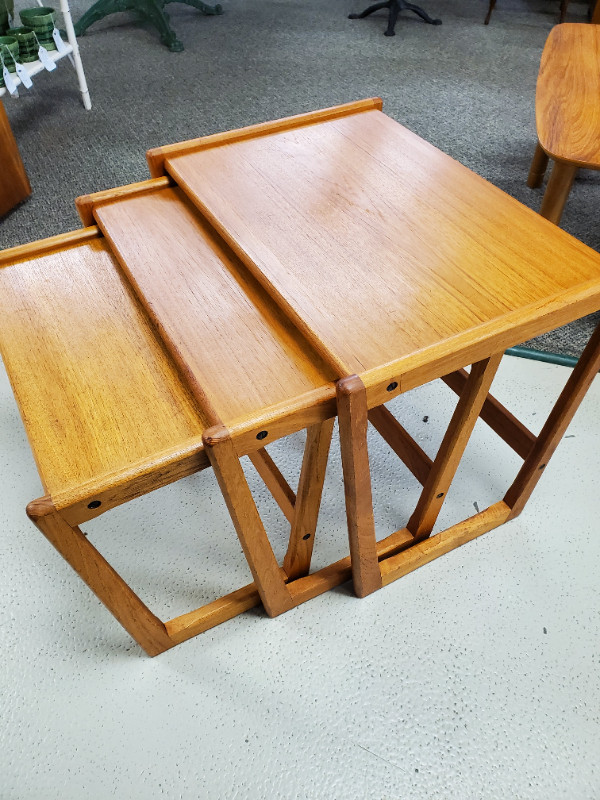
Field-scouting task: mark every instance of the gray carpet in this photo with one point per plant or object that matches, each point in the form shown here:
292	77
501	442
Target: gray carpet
467	88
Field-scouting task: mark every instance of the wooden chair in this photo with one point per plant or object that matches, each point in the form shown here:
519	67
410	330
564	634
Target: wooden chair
567	111
563	11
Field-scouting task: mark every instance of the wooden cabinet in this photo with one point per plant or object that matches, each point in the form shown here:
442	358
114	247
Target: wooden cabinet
14	184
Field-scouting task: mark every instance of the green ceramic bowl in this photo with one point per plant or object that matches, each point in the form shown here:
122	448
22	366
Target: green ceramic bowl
9	47
28	44
40	18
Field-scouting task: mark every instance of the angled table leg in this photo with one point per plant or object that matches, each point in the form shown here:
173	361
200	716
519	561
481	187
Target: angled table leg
453	446
148	631
308	500
259	554
561	415
537	170
557	191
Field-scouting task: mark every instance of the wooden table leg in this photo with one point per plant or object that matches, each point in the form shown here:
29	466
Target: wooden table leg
308	500
275	482
557	191
147	629
248	524
353	421
561	415
453	445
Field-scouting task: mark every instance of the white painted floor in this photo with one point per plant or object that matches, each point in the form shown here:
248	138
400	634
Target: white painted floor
477	676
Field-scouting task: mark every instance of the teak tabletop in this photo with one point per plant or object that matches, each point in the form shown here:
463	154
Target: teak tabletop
263	282
400	262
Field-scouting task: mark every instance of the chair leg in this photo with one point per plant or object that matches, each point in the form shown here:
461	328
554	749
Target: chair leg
563	10
488	16
538	167
557	191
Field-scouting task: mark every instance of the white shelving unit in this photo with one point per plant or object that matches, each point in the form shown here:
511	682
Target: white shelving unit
71	49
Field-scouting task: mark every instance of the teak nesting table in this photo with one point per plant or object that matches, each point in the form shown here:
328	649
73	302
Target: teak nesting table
263	282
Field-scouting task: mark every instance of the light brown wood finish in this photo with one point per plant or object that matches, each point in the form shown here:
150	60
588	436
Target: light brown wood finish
148	631
353	420
238	354
27	251
500	420
306	511
566	105
86	203
453	445
385	297
231	321
304	589
567	112
98	396
157	156
538	167
555	426
248	525
14	183
275	482
334	220
405	447
557	191
396	566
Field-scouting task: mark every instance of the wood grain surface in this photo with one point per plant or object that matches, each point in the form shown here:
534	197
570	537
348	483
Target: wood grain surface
95	388
567	98
238	352
389	251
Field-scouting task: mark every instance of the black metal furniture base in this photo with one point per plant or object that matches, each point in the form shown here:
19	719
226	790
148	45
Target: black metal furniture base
151	10
395	7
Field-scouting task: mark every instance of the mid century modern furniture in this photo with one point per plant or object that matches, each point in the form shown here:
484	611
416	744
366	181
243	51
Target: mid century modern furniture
401	266
14	185
264	280
395	7
111	415
567	112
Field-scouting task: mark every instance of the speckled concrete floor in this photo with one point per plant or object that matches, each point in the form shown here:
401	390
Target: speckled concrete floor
476	676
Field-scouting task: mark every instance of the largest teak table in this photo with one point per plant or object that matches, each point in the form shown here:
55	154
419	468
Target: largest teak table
262	282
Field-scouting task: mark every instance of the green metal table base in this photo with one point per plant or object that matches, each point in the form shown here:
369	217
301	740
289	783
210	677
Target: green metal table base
151	10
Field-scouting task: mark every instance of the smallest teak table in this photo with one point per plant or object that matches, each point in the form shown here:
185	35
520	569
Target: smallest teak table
567	112
140	351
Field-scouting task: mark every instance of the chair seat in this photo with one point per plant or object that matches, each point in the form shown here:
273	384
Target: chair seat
567	106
